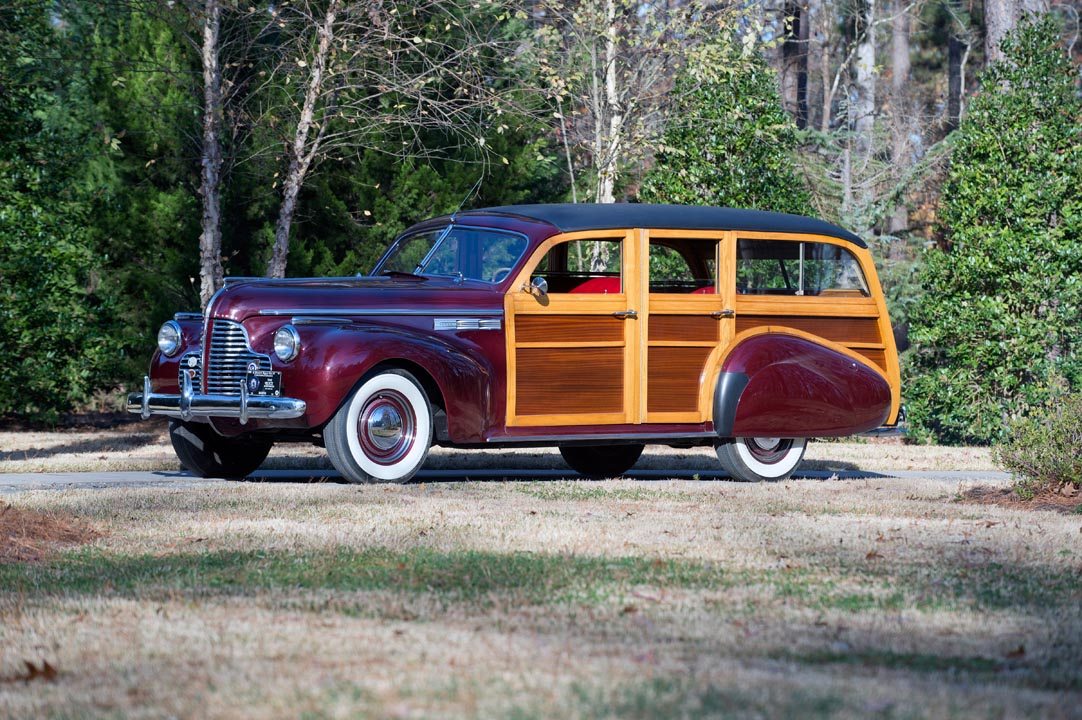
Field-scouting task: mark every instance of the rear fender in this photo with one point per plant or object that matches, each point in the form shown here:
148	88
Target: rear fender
776	384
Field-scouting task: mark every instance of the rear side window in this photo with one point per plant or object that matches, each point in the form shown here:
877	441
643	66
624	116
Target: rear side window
787	267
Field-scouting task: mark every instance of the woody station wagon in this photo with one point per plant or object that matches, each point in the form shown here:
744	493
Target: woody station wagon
595	328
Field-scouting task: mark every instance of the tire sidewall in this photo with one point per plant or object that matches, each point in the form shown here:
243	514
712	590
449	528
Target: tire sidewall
769	471
403	468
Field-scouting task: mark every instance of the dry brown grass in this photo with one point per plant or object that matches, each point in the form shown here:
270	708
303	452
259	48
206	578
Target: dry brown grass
841	598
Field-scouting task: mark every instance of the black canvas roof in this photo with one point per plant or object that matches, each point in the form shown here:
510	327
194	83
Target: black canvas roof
568	217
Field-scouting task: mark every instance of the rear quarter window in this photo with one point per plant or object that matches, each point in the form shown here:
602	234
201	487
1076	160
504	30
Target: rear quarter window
794	267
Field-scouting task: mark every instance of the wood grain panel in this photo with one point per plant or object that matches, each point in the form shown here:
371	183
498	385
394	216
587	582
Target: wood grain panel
683	327
673	378
836	329
879	357
568	328
569	380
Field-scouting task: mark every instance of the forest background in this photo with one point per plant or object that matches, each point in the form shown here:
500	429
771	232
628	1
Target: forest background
149	148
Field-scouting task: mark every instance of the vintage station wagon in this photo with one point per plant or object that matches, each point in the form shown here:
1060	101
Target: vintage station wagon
595	328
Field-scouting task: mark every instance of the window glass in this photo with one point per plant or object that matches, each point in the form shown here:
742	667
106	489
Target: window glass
473	253
784	267
682	266
582	266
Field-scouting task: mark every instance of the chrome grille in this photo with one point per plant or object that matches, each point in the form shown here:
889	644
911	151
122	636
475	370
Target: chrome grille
191	363
230	357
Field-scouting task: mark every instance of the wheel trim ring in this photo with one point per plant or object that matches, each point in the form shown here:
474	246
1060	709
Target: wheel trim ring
395	402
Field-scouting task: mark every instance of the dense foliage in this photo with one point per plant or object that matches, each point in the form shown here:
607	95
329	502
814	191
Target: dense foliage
53	313
997	331
728	141
1044	451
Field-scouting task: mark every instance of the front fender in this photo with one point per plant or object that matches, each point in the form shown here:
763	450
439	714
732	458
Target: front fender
779	385
336	358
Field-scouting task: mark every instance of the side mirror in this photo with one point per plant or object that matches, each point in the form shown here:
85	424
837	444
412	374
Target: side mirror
538	286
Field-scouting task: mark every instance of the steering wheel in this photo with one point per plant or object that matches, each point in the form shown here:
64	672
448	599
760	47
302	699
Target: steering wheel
499	274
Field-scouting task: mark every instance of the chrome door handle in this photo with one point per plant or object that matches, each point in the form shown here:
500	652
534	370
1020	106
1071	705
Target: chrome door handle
626	315
719	314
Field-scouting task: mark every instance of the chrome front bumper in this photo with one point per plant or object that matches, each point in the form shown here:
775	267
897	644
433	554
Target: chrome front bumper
189	404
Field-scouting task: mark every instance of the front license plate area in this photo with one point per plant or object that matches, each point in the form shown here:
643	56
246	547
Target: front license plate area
263	383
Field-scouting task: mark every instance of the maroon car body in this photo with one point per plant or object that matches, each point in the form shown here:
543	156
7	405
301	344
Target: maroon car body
473	341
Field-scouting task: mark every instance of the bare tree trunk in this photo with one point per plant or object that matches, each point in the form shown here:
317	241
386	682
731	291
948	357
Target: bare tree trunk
826	15
606	176
1000	17
900	106
210	239
303	150
954	81
790	54
863	110
804	38
1035	7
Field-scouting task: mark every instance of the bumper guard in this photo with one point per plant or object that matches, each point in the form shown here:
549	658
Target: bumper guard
189	404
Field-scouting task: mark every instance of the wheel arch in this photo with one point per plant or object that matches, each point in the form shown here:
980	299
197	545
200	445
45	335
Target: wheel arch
835	379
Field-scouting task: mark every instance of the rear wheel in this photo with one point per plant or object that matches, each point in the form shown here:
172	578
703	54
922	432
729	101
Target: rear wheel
599	461
383	432
206	454
757	459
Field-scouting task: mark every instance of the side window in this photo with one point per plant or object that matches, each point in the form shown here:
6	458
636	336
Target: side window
583	266
786	267
683	266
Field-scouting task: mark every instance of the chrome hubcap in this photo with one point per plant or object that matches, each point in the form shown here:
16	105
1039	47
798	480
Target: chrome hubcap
384	427
768	450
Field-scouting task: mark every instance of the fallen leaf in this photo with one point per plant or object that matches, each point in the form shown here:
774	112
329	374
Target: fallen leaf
629	610
873	555
1068	490
1018	652
46	672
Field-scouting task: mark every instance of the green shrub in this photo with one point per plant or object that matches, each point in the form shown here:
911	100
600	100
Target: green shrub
996	331
1045	450
728	141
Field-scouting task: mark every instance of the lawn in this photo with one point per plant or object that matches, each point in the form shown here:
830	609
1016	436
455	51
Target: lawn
623	598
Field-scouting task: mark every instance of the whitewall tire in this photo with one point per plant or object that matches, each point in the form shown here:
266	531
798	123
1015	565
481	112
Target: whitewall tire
383	431
757	459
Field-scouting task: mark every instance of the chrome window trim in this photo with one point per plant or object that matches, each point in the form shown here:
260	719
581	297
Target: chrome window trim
379	312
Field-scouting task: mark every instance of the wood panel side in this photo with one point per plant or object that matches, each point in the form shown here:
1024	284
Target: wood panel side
698	328
568	328
836	329
673	378
569	381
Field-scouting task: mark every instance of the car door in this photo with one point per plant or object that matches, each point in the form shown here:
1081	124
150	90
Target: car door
689	321
573	349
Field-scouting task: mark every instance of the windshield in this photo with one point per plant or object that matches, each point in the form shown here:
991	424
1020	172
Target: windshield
471	253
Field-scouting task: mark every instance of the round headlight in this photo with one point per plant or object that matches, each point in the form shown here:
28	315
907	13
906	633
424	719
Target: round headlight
169	338
287	343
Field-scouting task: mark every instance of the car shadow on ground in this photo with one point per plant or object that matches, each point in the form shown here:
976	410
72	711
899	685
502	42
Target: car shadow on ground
308	476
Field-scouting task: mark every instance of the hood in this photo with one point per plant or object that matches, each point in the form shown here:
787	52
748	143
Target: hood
351	297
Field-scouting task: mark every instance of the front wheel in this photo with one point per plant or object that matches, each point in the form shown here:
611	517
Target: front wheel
601	461
757	459
206	454
383	431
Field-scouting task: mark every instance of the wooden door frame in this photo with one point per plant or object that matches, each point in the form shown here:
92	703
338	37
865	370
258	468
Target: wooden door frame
518	302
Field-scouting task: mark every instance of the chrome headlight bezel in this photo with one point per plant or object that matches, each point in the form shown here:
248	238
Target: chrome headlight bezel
169	338
287	343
